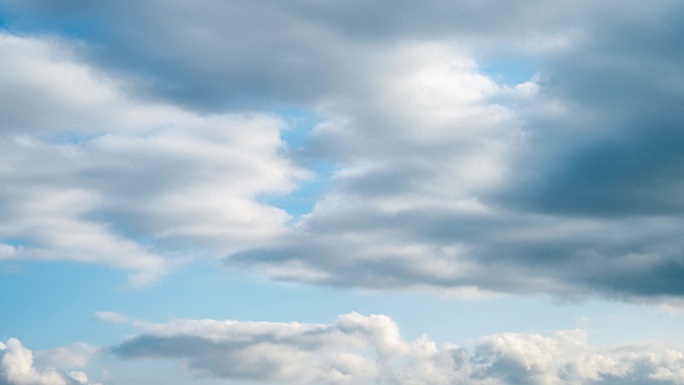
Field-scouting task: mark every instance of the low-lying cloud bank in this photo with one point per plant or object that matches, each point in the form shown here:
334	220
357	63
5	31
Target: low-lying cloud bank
359	349
17	366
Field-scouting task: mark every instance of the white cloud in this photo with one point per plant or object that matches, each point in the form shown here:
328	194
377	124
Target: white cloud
17	368
362	349
93	175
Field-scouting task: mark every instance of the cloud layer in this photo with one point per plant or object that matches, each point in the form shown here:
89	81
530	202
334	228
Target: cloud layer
360	349
568	183
134	142
91	175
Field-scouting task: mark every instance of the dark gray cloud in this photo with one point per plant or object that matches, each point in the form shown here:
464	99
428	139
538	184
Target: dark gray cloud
623	90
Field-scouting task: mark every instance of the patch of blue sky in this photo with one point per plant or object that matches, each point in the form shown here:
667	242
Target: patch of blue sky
119	225
56	293
300	122
302	200
200	290
508	69
71	25
15	241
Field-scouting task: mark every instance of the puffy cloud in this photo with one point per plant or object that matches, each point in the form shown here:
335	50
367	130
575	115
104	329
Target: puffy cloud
90	174
17	368
369	349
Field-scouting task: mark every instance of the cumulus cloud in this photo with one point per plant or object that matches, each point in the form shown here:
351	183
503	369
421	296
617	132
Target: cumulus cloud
450	181
360	349
92	175
17	367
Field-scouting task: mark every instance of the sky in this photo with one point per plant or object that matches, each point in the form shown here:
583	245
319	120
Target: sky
298	192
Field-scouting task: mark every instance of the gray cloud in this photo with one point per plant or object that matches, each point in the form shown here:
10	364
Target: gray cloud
568	184
370	349
242	54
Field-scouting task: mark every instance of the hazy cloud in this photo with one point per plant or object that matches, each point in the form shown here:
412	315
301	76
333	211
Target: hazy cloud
110	316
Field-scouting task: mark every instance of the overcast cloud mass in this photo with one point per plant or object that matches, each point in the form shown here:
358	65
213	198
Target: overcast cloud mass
467	149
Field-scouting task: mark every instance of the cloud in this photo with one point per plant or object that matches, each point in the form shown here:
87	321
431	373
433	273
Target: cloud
619	126
17	368
250	350
260	55
370	349
449	181
446	178
93	175
75	356
110	316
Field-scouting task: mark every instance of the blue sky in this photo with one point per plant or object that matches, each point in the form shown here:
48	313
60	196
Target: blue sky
296	192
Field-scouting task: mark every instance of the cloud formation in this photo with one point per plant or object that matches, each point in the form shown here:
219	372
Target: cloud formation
242	54
568	183
17	368
92	175
360	349
565	179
